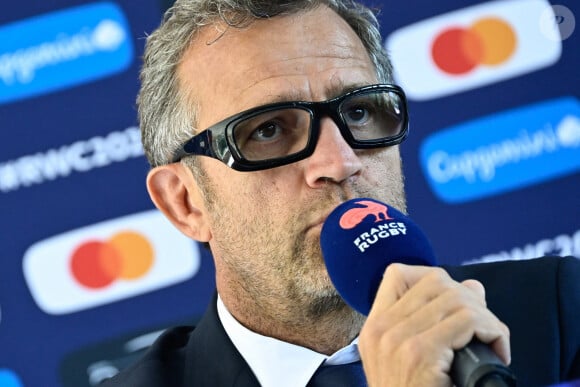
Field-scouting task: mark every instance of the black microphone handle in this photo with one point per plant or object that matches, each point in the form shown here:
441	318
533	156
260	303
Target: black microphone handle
476	365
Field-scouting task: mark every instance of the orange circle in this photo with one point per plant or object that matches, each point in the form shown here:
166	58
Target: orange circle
497	39
136	254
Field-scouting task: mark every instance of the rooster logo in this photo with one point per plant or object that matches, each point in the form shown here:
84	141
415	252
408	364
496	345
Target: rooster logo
354	216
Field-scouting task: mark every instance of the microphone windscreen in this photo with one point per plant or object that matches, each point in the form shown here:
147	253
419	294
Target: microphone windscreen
360	238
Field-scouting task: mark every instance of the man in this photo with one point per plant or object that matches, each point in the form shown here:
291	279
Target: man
256	181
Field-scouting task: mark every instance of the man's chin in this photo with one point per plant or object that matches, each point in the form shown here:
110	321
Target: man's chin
324	302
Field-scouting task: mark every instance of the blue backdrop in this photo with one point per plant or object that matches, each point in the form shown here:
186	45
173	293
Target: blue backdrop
90	272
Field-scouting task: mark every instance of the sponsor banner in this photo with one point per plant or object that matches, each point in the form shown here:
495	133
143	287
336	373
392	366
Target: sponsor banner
108	261
80	156
560	245
9	378
63	49
504	151
472	47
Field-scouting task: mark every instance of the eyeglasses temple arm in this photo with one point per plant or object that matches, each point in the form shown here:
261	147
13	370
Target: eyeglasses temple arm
199	145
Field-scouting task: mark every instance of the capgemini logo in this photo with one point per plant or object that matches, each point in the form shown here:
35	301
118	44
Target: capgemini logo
568	132
108	35
504	151
63	49
9	379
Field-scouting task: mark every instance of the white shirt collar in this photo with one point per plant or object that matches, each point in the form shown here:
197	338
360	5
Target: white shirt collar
277	363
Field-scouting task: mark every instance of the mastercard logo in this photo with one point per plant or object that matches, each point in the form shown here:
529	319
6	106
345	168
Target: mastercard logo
471	47
488	42
108	261
126	256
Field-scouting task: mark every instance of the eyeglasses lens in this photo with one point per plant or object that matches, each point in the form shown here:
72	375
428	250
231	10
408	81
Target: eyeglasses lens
283	132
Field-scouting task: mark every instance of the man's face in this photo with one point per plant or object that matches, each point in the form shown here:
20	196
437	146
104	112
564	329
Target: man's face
265	225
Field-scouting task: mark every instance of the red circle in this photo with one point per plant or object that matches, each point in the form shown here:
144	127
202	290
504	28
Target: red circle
95	264
456	50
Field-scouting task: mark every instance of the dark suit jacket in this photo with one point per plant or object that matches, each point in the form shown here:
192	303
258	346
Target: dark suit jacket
538	299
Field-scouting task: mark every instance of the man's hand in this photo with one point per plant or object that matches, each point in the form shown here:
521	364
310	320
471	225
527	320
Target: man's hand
419	317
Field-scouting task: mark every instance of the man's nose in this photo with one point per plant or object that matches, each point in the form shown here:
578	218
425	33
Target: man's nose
333	159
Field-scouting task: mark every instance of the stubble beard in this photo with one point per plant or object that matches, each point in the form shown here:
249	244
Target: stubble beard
312	287
288	284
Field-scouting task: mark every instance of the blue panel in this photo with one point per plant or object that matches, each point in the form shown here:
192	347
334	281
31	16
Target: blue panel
504	151
63	49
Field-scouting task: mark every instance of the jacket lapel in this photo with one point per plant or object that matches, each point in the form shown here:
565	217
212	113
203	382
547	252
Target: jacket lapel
211	357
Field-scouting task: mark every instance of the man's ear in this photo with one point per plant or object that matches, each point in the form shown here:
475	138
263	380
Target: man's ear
175	192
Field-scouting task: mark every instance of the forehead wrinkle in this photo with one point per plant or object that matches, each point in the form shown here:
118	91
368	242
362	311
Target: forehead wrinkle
264	72
282	75
349	61
287	91
336	88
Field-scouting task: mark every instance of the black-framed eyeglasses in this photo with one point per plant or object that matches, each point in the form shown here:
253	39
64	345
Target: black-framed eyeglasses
282	133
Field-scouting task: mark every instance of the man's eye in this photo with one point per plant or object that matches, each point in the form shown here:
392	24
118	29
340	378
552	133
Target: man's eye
266	131
357	115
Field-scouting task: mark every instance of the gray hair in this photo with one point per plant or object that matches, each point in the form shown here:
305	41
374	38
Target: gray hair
167	115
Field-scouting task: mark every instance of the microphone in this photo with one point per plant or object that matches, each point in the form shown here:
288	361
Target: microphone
359	239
